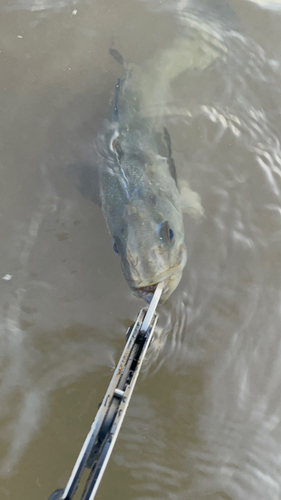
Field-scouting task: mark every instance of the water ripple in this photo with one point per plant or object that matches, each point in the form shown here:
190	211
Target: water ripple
38	5
217	349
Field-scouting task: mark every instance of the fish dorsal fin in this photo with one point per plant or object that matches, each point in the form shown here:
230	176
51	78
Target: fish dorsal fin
164	148
163	142
116	98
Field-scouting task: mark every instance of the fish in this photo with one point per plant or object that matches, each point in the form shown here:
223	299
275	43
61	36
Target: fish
141	197
139	193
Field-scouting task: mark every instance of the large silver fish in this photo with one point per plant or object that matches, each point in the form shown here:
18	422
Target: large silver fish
139	194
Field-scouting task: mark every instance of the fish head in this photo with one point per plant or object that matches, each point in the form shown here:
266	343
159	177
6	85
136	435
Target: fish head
149	239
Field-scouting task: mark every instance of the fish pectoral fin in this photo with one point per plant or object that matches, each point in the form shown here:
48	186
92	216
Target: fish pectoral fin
86	179
163	142
190	200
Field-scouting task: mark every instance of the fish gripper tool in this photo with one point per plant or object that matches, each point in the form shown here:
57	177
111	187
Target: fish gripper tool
99	443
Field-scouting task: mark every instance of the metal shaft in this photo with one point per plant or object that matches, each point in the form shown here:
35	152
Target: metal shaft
99	443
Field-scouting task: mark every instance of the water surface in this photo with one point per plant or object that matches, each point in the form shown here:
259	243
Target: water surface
204	422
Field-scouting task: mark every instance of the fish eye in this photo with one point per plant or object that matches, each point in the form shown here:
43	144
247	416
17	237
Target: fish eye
165	231
115	248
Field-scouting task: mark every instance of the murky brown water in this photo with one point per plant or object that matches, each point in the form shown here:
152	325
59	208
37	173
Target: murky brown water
205	419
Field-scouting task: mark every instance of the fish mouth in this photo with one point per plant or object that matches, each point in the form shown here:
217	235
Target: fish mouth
170	278
164	276
147	292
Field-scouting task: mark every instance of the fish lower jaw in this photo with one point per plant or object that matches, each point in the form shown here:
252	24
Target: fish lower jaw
145	292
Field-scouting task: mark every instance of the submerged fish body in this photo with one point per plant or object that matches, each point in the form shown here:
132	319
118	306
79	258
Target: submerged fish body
136	183
139	194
